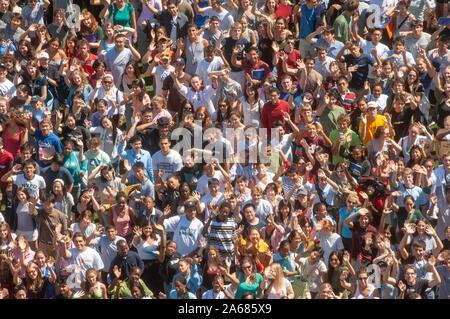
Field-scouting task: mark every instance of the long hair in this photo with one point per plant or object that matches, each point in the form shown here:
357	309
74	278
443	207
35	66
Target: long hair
34	285
115	132
94	24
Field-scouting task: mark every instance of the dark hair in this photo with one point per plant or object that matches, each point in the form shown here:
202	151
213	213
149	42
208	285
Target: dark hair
247	206
134	139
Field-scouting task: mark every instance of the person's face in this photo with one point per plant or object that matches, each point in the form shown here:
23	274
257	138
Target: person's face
77	80
21	196
416	154
172	9
183	267
111	233
343	126
196	83
32	3
57	188
377	91
91	277
135	275
274	97
21	294
343	86
287	84
322	54
139	173
4	232
362	280
137	293
165	146
247	268
376	36
31	70
421	228
29	170
280	25
180	288
79	243
417	29
171	248
191	213
137	146
249	214
123	250
256	196
214	25
419	252
412	77
410	276
311	131
147	230
254	236
398	47
364	221
120	42
214	189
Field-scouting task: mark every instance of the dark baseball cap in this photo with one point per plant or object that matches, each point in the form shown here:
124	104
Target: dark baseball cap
163	121
180	60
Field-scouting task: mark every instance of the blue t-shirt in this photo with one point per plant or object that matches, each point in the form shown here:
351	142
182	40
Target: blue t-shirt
346	231
46	147
307	21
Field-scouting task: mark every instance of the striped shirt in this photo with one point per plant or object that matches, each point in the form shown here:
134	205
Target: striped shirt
221	235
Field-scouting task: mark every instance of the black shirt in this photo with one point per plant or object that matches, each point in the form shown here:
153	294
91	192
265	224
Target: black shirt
125	263
228	46
419	287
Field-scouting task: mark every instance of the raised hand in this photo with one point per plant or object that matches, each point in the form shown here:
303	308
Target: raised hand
137	231
117	272
79	294
410	228
430	230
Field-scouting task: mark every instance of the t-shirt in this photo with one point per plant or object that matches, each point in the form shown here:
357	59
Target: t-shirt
444	287
47	146
169	163
328	118
83	260
419	287
49	175
361	74
116	62
25	222
94	160
187	233
121	17
32	186
106	248
346	231
245	287
271	113
225	18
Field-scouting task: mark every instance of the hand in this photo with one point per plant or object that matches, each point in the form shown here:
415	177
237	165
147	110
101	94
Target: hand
401	286
387	211
433	199
167	210
348	45
364	195
50	262
117	272
137	231
346	257
286	116
374	52
430	230
158	228
126	165
203	242
309	167
79	294
363	211
431	261
16	168
275	47
410	228
196	195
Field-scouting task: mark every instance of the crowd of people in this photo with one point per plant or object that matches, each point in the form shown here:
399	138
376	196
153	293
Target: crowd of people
238	149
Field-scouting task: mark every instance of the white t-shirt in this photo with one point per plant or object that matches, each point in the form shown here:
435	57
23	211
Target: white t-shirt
311	272
88	258
225	18
205	200
210	294
381	101
160	75
169	163
32	186
187	233
7	88
202	183
204	67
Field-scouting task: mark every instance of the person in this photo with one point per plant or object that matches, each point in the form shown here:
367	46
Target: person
92	288
365	290
180	291
82	258
125	260
123	289
247	280
275	285
106	245
273	110
187	230
51	222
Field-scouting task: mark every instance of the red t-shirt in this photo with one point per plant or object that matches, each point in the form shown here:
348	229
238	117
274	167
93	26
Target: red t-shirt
260	71
88	64
271	113
6	159
290	62
284	11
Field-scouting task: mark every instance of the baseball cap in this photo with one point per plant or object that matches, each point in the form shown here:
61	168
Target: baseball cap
180	60
189	205
43	55
3	66
372	104
303	191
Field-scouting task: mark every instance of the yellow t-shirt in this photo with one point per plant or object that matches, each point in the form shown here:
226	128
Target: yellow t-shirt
371	127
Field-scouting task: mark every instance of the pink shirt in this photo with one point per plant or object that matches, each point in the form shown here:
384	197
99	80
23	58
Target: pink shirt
122	223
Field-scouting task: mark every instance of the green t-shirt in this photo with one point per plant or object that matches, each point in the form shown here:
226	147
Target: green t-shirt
355	141
328	119
122	17
342	28
94	160
125	290
245	287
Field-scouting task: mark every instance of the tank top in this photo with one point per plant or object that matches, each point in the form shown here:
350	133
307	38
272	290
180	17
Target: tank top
122	223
